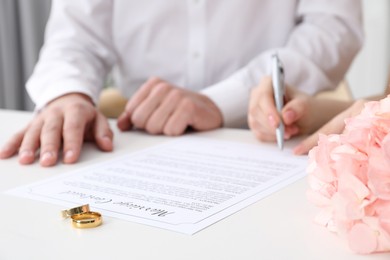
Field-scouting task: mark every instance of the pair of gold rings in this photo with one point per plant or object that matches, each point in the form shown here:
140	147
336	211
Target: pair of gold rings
82	217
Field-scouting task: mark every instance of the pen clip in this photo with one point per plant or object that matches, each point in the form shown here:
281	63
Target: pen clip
278	87
278	81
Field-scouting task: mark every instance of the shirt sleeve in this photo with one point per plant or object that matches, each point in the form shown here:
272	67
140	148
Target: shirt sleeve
78	51
319	50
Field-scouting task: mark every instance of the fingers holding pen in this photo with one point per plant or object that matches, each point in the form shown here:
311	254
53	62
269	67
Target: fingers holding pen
263	117
293	116
266	102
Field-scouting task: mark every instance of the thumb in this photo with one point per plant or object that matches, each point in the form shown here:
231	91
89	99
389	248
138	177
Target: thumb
293	111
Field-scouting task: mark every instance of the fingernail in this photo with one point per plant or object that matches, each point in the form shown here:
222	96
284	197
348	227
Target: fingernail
47	156
107	142
289	116
69	155
26	153
272	121
106	139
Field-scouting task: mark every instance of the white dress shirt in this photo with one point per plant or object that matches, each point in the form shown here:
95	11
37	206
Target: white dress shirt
221	48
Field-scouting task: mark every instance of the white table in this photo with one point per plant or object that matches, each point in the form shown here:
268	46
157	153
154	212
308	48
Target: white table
277	227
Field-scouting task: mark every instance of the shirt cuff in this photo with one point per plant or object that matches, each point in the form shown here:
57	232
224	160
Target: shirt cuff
232	99
59	89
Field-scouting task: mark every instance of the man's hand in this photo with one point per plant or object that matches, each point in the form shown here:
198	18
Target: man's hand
161	108
68	120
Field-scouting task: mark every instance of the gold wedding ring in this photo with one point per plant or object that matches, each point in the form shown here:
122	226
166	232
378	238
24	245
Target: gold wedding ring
82	217
87	220
73	211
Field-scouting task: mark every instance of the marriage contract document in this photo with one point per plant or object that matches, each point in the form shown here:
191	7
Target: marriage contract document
183	185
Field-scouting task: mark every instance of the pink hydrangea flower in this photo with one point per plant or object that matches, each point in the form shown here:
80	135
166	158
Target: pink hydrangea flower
349	179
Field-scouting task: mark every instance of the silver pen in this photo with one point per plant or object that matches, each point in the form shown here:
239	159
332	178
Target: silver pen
278	87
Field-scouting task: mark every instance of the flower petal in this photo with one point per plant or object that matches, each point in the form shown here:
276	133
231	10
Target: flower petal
362	239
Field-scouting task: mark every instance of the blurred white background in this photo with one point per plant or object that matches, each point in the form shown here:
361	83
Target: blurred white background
369	73
22	24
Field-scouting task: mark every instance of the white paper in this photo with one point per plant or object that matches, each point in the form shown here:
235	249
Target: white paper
183	185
